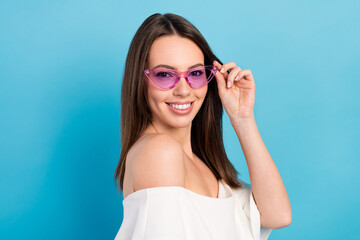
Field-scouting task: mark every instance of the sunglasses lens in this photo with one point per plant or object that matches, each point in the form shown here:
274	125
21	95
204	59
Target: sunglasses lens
200	76
163	78
166	79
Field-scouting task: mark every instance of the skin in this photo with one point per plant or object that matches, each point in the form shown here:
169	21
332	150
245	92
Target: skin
178	165
180	53
238	99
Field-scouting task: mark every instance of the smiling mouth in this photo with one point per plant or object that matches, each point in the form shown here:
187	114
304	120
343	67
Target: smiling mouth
180	106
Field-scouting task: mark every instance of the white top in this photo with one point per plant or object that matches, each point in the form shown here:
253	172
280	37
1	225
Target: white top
177	213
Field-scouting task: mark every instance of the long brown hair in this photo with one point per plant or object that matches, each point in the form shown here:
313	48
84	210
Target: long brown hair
206	131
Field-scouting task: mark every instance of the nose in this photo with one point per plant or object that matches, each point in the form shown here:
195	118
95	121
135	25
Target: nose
182	88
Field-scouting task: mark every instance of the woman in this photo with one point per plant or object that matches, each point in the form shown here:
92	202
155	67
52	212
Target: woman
176	179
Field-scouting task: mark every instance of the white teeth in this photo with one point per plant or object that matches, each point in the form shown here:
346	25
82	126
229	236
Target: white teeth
184	106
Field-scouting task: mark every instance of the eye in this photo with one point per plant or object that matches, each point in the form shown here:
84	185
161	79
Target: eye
163	74
196	73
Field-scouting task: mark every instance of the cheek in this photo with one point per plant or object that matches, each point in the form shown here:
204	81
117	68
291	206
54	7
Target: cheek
155	96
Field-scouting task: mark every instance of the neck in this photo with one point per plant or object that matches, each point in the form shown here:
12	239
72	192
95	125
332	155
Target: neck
182	135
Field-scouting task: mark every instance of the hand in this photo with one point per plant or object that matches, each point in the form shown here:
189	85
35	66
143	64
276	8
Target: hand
238	100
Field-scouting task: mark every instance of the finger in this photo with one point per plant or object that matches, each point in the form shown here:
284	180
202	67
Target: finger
219	66
221	82
243	83
246	74
231	78
227	66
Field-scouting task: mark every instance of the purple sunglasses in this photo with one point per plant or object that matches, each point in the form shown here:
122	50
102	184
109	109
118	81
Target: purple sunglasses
166	79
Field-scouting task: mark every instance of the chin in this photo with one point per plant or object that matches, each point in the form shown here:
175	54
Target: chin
180	122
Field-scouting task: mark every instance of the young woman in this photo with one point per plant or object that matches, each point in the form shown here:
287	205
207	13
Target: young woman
176	179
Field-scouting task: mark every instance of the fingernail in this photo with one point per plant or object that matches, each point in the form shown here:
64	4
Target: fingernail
236	78
228	84
222	70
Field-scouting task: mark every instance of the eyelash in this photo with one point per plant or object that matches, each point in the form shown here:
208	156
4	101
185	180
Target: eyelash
159	74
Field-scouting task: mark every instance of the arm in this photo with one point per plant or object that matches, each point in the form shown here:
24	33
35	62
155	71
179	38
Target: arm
238	99
267	186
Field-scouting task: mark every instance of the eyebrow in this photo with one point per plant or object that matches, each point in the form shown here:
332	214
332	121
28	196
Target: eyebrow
171	67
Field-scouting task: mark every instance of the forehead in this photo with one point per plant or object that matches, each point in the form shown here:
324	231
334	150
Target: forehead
175	51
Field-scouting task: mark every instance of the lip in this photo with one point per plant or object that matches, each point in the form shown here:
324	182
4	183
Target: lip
180	103
181	111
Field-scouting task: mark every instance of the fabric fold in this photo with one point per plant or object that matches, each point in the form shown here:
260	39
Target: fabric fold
176	213
252	212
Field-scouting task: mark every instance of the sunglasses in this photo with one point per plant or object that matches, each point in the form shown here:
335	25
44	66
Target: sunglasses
166	79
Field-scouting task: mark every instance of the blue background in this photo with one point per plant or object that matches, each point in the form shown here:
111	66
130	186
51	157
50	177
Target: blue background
61	64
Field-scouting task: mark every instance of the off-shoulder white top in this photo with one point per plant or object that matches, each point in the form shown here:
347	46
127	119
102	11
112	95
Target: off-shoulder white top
176	213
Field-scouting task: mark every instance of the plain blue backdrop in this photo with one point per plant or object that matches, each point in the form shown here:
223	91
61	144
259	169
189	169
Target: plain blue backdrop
61	64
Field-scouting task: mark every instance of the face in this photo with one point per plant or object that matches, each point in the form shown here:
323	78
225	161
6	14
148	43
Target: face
181	54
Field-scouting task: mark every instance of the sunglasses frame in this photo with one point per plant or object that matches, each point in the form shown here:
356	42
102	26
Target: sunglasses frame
180	74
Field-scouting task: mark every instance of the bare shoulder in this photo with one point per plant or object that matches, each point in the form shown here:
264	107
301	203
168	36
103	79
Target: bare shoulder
157	160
